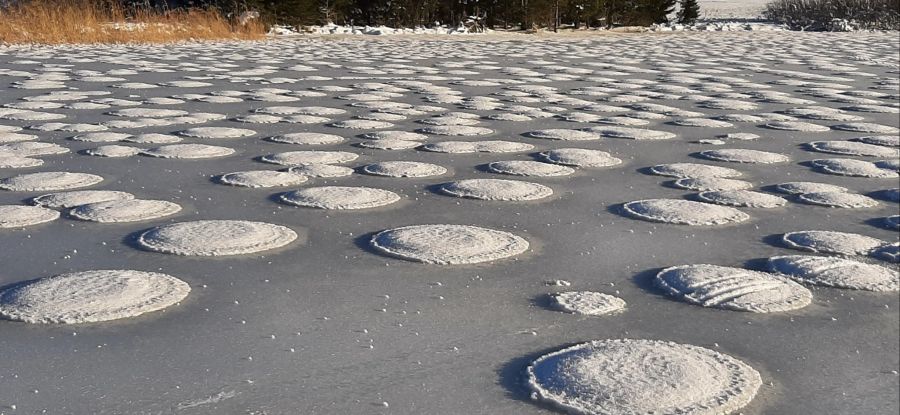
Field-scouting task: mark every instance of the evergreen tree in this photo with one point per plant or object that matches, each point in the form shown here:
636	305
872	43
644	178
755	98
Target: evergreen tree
689	12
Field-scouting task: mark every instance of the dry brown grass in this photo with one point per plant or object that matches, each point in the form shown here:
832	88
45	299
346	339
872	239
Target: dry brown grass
107	21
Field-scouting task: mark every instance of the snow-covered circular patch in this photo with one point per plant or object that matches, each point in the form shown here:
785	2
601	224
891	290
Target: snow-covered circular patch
259	119
742	198
565	135
153	138
731	288
299	158
17	216
853	168
340	197
101	137
321	170
529	168
362	124
580	157
79	197
880	140
388	144
112	150
853	148
404	169
32	149
796	188
148	113
11	161
91	296
739	155
836	272
261	178
307	138
838	200
128	210
710	184
48	181
702	122
587	302
628	377
632	133
487	146
830	242
797	126
188	151
496	189
216	237
683	212
693	170
9	137
216	132
458	130
865	127
448	244
395	135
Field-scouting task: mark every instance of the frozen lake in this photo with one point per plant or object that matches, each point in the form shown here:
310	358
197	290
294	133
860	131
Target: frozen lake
378	225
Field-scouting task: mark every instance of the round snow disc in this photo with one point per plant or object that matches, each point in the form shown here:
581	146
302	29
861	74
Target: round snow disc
216	132
711	184
796	188
457	130
299	158
307	138
865	127
48	181
836	272
830	242
587	303
32	149
113	151
388	144
188	151
563	134
9	161
731	288
880	140
737	155
797	126
340	197
17	216
838	200
79	197
488	146
448	244
261	178
580	157
91	296
742	198
686	170
632	133
683	212
128	210
404	169
529	168
853	168
320	170
496	189
853	148
216	237
627	377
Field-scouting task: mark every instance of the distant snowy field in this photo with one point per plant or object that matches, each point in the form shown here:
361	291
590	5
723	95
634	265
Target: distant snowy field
731	9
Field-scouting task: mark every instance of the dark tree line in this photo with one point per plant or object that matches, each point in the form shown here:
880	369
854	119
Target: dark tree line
525	14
